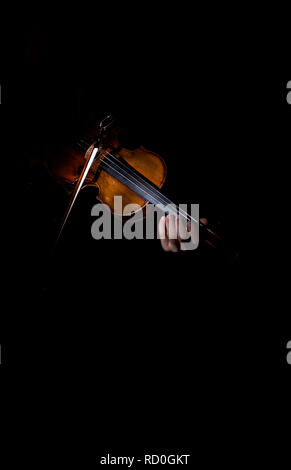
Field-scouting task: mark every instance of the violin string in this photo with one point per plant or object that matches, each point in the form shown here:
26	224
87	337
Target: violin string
119	164
132	180
151	191
162	199
139	186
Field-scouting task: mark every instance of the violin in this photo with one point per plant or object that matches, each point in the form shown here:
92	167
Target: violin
100	160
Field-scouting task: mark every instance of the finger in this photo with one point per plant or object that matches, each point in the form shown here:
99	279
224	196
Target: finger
204	221
163	233
162	228
165	244
174	246
189	235
171	225
183	231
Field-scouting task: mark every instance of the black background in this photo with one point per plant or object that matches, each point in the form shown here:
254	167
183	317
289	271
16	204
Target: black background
117	346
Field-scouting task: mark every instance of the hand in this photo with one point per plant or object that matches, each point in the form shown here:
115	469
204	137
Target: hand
173	230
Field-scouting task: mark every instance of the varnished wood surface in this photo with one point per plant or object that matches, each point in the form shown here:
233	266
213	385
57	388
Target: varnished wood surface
67	165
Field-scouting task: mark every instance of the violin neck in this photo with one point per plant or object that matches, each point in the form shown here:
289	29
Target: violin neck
126	174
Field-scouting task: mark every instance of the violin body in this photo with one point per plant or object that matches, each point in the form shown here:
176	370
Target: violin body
147	163
69	163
